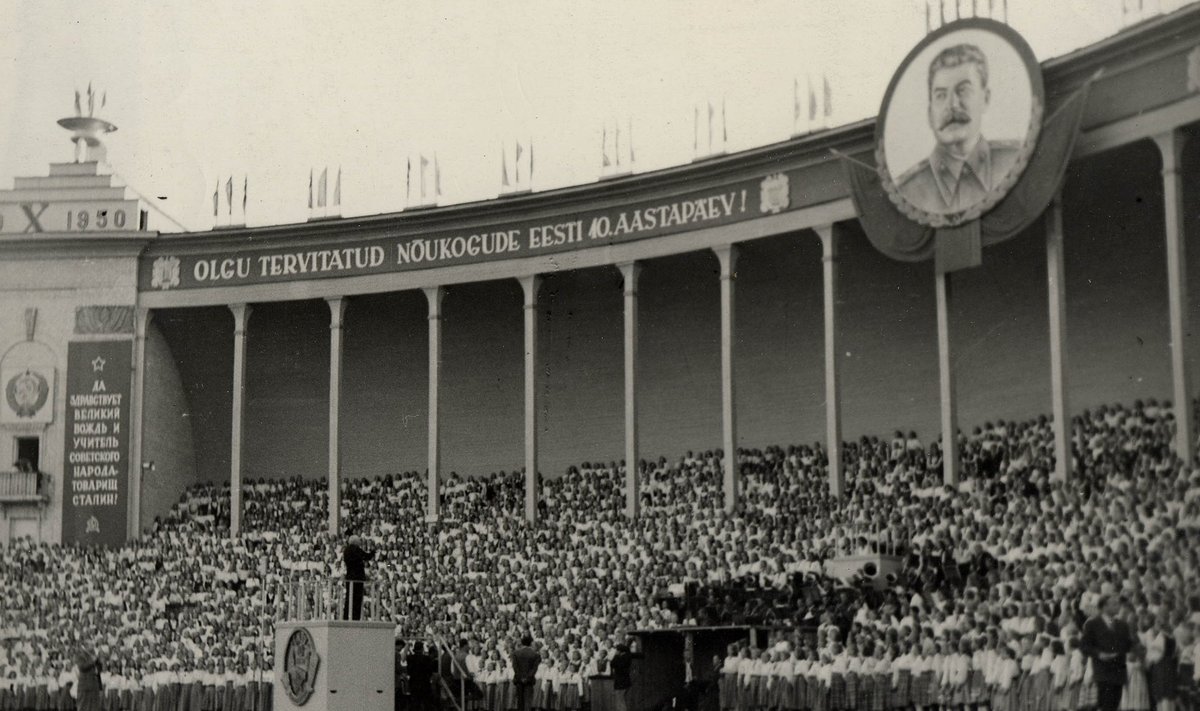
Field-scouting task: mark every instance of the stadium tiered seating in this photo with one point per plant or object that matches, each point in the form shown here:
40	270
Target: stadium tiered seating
999	574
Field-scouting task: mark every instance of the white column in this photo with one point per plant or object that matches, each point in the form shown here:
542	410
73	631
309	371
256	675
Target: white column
530	285
241	314
946	382
434	296
833	391
630	272
1170	145
1056	287
727	256
142	318
337	310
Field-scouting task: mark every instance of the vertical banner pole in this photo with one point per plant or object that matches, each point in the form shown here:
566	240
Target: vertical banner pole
629	273
142	318
241	314
833	395
337	311
727	256
1056	289
529	286
433	295
1170	145
950	464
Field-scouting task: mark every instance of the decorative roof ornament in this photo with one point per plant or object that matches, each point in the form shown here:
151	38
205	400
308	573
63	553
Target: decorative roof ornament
87	130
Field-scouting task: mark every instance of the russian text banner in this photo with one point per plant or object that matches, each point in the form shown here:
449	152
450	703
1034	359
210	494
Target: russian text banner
96	455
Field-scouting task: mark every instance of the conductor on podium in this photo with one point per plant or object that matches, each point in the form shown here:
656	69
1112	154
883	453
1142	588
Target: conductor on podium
355	559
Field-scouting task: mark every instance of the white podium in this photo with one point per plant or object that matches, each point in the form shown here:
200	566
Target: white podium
334	665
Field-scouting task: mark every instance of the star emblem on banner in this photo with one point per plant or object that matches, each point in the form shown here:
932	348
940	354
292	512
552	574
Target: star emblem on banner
97	365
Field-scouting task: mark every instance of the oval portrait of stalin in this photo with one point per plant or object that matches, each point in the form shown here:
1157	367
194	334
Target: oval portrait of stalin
959	122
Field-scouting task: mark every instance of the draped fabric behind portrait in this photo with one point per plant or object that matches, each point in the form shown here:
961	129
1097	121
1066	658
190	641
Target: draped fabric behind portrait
902	239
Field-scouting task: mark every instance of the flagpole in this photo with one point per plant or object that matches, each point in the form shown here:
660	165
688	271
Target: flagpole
724	128
632	157
795	106
503	169
337	191
617	143
709	126
437	178
603	148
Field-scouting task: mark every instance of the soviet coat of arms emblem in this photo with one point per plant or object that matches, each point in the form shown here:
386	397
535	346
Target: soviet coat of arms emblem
165	273
773	194
26	393
300	664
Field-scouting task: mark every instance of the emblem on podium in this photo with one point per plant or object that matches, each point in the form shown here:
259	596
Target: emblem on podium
300	663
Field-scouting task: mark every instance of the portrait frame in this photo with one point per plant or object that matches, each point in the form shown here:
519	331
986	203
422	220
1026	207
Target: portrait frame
1025	67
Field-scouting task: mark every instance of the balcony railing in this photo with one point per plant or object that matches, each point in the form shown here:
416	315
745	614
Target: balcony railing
331	599
20	487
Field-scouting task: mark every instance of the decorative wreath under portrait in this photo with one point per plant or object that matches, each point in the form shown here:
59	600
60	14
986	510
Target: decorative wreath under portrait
959	122
300	664
26	393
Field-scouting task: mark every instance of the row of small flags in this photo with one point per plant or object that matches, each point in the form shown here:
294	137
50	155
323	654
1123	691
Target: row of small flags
1137	10
216	197
724	137
618	153
611	163
978	8
91	101
515	184
819	113
322	185
423	164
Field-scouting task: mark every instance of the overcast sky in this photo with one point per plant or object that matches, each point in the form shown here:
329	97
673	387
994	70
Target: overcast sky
271	89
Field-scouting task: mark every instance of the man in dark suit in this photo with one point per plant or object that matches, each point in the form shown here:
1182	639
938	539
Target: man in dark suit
525	661
464	685
89	689
421	668
400	669
622	674
1107	639
355	560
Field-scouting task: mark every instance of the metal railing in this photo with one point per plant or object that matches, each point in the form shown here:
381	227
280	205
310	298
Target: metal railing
333	599
19	485
443	648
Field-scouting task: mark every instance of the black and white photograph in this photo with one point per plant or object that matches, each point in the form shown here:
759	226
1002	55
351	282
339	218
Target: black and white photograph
961	121
601	355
